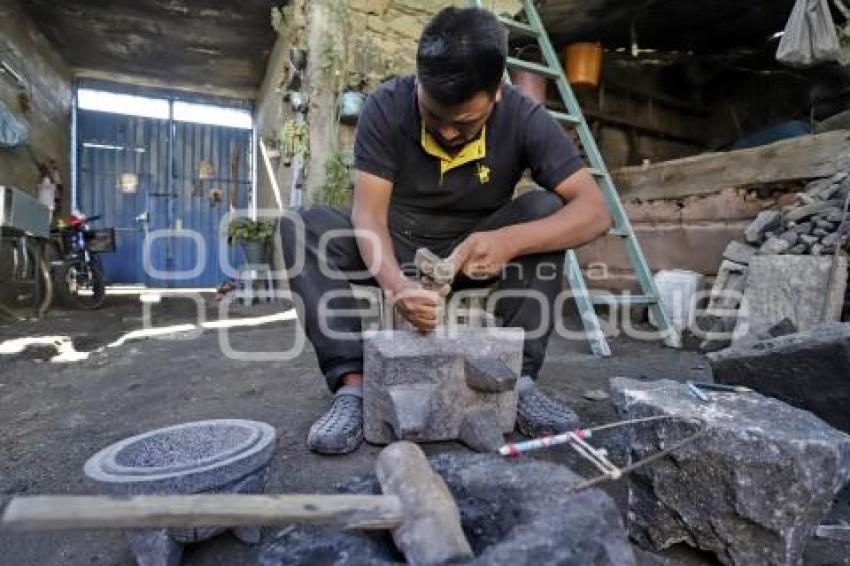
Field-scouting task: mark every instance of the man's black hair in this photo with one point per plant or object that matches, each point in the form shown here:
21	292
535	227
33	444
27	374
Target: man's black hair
461	53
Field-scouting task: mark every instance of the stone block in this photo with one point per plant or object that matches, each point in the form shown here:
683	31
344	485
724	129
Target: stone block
453	384
750	490
766	221
805	289
739	253
809	370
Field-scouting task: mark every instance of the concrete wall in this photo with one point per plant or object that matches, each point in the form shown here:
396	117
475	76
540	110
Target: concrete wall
48	90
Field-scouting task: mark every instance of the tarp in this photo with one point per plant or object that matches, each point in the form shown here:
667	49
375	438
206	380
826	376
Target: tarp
13	132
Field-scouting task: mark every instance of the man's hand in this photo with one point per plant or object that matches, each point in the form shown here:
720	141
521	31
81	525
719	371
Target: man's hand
482	255
419	306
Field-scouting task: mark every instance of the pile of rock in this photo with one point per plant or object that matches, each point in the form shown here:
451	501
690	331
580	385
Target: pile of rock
810	226
815	227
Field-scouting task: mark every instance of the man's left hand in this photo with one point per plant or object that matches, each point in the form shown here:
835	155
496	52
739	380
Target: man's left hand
482	255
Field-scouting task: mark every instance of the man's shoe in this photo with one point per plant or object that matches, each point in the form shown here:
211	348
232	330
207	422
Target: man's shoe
539	415
340	430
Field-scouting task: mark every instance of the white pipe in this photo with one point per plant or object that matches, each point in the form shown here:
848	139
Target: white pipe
270	171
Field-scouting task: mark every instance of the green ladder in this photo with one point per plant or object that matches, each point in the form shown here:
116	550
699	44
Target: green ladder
622	227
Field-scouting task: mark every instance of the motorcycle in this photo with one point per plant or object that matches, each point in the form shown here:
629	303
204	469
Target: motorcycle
76	269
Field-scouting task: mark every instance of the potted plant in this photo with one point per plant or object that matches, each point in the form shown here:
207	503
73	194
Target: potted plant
254	236
352	99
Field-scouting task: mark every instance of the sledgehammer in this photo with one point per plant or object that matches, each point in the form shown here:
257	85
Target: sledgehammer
416	506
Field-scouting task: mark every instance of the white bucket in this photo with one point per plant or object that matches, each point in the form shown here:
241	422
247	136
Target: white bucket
678	289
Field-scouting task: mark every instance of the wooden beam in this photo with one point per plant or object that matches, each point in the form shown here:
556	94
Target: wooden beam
802	158
368	512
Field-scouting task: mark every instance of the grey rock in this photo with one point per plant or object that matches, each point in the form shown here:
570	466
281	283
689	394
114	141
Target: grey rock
804	228
774	246
804	198
489	375
831	239
750	490
515	513
830	191
790	236
805	211
154	548
817	188
817	249
798	249
739	253
765	221
804	289
416	387
834	214
828	226
808	239
810	370
782	328
309	546
820	232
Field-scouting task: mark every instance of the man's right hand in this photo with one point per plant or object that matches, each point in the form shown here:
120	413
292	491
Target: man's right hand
419	306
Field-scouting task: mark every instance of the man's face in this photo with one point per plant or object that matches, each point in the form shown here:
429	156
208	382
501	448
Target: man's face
454	126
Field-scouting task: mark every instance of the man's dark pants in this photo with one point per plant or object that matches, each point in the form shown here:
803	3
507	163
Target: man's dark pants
538	273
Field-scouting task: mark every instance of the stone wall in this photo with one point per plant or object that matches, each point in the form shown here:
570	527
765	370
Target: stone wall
44	104
376	37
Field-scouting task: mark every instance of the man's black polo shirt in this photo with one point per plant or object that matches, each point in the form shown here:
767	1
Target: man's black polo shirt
435	199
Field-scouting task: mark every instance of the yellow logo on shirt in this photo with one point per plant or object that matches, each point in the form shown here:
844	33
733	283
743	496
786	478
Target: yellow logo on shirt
483	173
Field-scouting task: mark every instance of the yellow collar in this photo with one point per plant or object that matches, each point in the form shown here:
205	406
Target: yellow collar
472	151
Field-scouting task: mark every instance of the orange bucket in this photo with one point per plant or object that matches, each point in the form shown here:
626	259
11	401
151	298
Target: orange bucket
583	63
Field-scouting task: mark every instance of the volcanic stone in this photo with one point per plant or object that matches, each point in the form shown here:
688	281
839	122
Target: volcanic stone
416	386
765	221
739	253
810	370
751	489
774	246
790	236
800	212
803	228
805	289
514	512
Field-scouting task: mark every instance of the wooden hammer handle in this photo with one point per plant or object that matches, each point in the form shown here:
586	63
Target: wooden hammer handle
367	512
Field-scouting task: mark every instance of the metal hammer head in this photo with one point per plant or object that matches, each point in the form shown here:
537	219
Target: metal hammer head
436	269
430	532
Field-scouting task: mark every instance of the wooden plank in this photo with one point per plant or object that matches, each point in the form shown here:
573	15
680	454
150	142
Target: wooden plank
367	512
800	158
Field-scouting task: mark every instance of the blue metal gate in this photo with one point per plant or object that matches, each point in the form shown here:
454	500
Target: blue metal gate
166	184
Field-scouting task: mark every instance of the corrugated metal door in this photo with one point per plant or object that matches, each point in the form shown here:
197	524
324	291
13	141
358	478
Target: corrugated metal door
210	171
115	148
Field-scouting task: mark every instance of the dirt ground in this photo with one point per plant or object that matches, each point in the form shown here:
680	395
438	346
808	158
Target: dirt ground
54	416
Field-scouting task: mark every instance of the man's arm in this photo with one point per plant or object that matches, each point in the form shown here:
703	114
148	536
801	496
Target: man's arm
584	218
369	216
